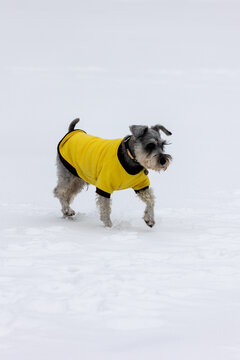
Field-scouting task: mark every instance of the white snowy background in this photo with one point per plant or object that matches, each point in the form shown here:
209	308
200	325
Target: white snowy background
71	289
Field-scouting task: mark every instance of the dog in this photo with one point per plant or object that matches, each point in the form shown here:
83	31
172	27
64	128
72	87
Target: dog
110	165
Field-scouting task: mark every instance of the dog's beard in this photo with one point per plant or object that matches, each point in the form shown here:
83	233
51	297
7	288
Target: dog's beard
152	161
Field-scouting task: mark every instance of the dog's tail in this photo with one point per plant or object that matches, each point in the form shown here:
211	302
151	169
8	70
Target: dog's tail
73	124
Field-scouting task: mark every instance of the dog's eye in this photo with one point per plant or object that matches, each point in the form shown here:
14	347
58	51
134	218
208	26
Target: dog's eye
150	146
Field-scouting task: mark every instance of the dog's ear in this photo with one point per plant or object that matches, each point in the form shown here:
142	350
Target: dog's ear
160	127
138	130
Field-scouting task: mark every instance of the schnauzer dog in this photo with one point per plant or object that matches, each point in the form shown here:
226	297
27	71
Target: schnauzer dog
110	165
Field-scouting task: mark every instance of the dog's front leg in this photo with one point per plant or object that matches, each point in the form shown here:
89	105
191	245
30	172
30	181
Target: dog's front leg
104	205
147	197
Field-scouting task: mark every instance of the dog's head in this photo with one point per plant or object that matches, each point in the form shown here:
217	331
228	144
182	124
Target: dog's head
149	147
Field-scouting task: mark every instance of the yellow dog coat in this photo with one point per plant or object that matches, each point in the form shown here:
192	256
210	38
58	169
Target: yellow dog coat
99	162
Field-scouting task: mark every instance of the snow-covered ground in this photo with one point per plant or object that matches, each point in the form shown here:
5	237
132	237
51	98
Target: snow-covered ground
71	289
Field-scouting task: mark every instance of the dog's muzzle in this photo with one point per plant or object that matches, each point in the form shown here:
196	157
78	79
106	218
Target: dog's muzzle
164	161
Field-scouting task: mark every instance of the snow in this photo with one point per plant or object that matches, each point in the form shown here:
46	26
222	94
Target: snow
73	289
70	288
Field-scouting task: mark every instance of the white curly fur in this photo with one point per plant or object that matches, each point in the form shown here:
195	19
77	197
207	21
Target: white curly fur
104	205
147	197
67	188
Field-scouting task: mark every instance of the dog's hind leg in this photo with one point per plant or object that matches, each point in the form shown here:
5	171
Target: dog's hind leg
67	188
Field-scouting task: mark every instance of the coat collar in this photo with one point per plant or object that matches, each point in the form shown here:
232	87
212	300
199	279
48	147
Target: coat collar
126	158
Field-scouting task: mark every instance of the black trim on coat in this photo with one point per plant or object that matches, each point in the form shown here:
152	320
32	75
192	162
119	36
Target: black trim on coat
65	162
131	166
145	188
103	193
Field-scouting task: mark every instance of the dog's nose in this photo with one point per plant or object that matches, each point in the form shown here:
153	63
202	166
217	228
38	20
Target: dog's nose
162	160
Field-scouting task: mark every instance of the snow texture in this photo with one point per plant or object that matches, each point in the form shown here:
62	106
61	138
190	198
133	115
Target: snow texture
70	288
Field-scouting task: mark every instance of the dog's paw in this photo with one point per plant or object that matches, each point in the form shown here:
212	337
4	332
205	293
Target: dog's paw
148	220
68	212
108	223
150	223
